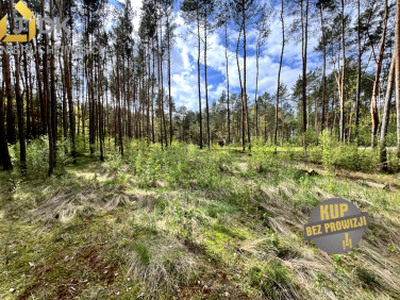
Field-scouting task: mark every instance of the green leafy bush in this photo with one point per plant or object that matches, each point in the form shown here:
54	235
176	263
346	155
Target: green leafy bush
114	162
263	158
37	155
347	156
315	154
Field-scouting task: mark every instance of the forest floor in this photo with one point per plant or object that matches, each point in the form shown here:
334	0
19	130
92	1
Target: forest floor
188	223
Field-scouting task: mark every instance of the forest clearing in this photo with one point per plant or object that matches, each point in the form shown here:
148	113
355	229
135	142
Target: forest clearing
190	223
199	149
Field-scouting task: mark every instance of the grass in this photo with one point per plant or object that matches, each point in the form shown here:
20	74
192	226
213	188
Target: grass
188	223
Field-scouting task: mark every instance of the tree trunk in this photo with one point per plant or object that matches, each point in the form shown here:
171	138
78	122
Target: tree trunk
206	81
152	93
343	79
53	99
397	51
198	76
245	74
258	50
227	81
19	100
11	134
374	105
5	155
10	112
324	119
279	77
171	129
305	45
241	89
64	104
358	92
162	91
70	95
148	132
100	96
26	85
386	114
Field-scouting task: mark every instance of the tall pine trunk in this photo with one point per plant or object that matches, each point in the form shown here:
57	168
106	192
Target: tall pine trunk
227	81
171	128
245	73
19	100
397	51
206	80
375	91
343	79
4	153
304	47
11	132
279	77
241	89
359	54
258	50
386	114
198	75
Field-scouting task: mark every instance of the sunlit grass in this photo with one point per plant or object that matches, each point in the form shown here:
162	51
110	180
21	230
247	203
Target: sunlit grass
188	223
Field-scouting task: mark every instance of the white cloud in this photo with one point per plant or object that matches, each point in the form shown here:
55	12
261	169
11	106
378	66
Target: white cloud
136	6
184	62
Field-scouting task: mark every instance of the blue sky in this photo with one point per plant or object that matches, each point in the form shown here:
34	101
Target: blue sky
184	62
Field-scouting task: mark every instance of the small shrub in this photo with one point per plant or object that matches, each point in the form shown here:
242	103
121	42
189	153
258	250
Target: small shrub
263	158
347	156
37	155
315	154
113	163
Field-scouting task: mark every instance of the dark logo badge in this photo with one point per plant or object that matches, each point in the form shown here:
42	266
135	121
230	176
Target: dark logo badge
336	226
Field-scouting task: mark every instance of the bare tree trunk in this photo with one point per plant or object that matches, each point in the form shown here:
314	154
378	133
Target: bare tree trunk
316	117
11	133
100	106
149	96
350	120
119	110
198	76
26	85
227	81
8	86
43	111
64	104
49	96
19	100
386	114
241	90
162	91
171	129
206	81
324	119
358	95
152	94
397	51
343	88
304	46
279	77
245	74
374	106
70	95
5	155
258	50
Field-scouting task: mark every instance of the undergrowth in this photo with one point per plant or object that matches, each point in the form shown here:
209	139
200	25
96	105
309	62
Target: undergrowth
180	222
